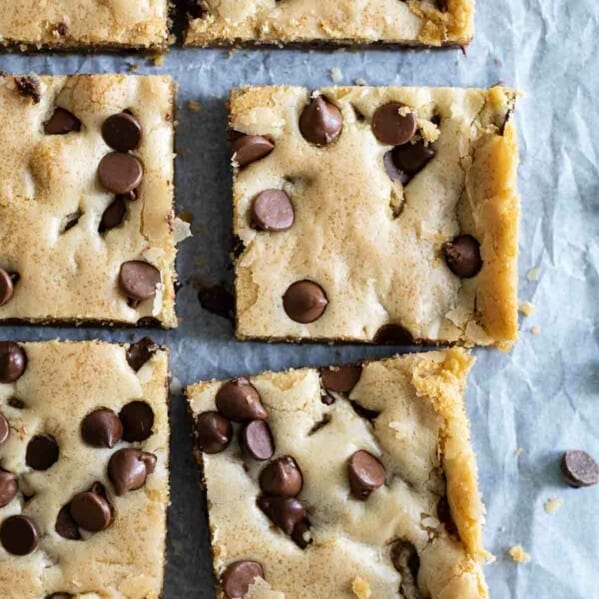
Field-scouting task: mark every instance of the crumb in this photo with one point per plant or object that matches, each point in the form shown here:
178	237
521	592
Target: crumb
535	330
132	66
526	308
158	60
533	274
553	504
336	74
360	588
193	106
518	554
518	452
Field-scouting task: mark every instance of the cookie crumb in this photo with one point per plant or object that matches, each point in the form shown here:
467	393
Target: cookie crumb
519	555
553	504
336	74
526	308
158	60
132	66
533	274
360	588
193	106
535	330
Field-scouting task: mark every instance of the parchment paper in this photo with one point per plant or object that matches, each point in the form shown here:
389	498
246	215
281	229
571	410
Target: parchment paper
542	397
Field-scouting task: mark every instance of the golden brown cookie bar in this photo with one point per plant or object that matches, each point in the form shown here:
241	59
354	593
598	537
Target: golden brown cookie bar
386	215
87	227
348	482
83	469
85	24
349	22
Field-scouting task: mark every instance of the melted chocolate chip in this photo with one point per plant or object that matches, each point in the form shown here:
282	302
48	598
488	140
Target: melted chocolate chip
272	210
138	419
114	215
19	535
65	526
128	469
213	432
305	301
42	452
410	159
61	123
365	473
139	353
341	379
8	487
462	256
139	280
101	428
13	361
250	148
238	576
393	124
321	122
282	478
393	334
239	401
285	512
256	439
91	511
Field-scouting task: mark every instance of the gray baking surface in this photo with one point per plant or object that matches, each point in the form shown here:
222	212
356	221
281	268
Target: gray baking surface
526	407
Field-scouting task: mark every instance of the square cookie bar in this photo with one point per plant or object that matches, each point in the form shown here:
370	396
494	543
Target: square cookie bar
348	482
386	215
83	469
87	227
84	24
348	22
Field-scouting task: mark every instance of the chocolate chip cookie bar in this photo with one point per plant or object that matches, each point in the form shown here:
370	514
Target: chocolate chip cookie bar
386	215
370	22
84	24
83	469
347	482
87	227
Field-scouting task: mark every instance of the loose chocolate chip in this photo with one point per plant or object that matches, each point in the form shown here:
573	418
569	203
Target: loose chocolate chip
406	561
113	215
393	124
249	148
128	469
393	334
4	429
91	511
305	301
285	512
282	478
19	535
139	353
122	132
8	487
61	123
579	468
365	473
341	379
410	159
138	419
256	440
6	287
101	428
445	517
139	280
239	401
321	122
213	432
238	577
217	299
462	255
271	210
120	173
42	452
29	87
65	526
13	361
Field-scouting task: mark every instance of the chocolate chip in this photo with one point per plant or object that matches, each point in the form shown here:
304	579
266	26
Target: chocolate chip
213	432
19	535
6	287
321	122
91	511
113	215
238	577
122	132
120	173
238	247
393	334
445	517
139	353
282	478
4	429
8	487
128	469
13	361
139	280
462	255
362	412
271	210
148	322
365	473
392	171
285	512
138	419
391	126
217	299
249	148
579	468
15	402
29	87
341	379
65	526
101	428
256	440
410	159
61	123
239	401
42	452
406	561
305	301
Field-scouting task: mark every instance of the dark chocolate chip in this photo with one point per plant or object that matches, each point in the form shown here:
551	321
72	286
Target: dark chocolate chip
445	517
462	256
19	535
29	87
139	353
101	428
128	469
299	534
285	512
239	576
410	159
249	148
363	412
15	402
271	210
7	287
305	301
70	221
213	432
42	452
139	280
321	122
579	468
65	526
406	561
114	214
365	473
238	247
91	511
138	419
148	322
341	379
217	299
391	126
256	439
327	399
392	171
393	334
61	123
239	401
4	429
122	132
8	487
120	173
13	361
282	478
